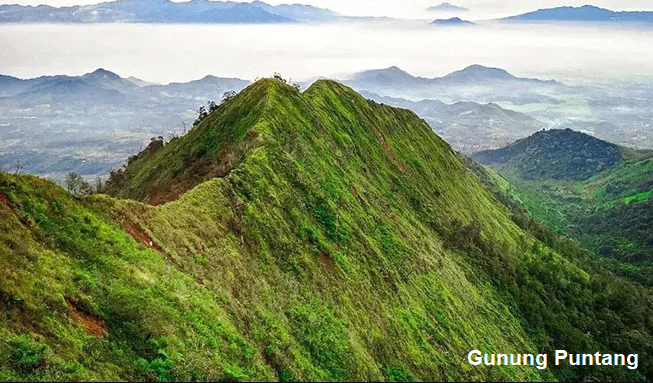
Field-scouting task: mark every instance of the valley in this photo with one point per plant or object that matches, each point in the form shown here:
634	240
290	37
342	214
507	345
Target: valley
593	191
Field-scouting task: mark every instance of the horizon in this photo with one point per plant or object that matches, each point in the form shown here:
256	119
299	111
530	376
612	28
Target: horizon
413	9
313	79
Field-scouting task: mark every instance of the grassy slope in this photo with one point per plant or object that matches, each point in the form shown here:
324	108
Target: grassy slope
337	246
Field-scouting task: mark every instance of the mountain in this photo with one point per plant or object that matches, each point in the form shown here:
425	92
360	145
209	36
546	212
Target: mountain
556	154
472	75
165	11
469	127
9	85
454	21
479	74
304	236
89	124
446	7
100	86
392	77
475	83
299	12
210	87
584	13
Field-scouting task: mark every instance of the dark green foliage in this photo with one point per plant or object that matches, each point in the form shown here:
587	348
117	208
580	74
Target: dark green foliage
595	293
556	154
159	368
27	355
397	374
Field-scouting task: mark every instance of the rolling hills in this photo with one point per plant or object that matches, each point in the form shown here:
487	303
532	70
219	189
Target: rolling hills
297	236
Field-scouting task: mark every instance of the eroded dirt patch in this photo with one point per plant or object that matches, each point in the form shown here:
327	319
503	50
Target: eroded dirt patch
24	219
4	199
387	148
139	235
91	324
327	261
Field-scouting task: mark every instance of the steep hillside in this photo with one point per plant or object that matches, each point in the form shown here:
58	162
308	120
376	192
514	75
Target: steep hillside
469	127
305	236
556	154
610	213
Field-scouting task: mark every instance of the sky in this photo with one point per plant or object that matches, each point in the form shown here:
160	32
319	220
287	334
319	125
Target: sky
414	8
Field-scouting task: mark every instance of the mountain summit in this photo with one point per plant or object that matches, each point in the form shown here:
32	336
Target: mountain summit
557	154
478	73
447	7
454	21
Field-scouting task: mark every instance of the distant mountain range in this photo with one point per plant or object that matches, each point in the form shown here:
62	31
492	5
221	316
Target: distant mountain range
107	87
447	7
468	126
92	122
472	75
452	22
229	12
584	13
165	11
475	83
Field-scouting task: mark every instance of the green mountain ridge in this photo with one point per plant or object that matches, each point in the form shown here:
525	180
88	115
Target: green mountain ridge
297	236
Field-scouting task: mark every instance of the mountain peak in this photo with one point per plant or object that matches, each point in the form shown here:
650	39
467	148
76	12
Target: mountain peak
103	74
265	116
212	149
392	73
556	154
447	7
454	21
479	73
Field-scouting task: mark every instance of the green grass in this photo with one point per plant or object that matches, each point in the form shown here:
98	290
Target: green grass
638	197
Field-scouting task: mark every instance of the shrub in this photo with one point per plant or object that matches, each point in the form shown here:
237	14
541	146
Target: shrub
27	355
